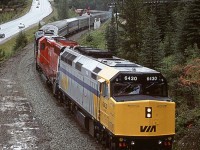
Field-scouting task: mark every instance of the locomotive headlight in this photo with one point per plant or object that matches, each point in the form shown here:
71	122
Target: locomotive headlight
148	112
148	115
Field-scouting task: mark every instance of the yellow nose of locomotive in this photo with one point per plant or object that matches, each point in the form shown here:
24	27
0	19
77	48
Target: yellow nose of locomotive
143	118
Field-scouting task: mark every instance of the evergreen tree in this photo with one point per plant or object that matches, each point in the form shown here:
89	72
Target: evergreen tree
93	4
192	23
181	43
163	13
111	36
62	8
189	30
131	36
77	4
151	56
192	51
167	44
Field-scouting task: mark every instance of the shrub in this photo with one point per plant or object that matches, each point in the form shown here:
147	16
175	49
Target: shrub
89	38
2	54
21	41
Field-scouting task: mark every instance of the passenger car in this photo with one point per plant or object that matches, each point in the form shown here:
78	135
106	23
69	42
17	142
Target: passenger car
21	25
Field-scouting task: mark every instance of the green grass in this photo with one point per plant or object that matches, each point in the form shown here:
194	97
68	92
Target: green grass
98	37
7	16
8	46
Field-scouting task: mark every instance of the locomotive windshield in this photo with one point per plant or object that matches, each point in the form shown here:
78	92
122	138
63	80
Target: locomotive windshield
140	84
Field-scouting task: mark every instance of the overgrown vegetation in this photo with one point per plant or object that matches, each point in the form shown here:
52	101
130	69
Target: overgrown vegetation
111	36
62	9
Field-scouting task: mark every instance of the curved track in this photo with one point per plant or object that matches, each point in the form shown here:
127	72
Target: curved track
31	118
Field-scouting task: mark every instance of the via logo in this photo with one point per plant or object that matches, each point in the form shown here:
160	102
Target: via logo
148	128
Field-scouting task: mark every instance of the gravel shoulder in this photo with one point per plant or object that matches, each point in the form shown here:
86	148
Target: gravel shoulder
31	118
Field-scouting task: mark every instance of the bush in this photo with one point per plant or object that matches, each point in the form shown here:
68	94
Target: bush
184	88
2	54
89	38
21	41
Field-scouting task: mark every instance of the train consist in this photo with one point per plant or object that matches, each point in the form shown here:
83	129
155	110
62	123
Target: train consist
122	104
72	25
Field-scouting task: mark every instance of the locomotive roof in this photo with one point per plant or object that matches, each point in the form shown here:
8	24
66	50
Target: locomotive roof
107	67
94	52
62	41
105	57
125	65
62	23
116	66
59	24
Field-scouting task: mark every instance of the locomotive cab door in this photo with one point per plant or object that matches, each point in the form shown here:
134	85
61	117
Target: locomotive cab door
102	113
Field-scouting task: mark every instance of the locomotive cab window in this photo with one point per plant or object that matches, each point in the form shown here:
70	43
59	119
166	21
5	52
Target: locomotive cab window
155	89
127	85
126	89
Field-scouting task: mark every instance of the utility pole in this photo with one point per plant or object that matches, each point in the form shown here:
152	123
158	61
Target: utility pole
89	22
88	12
114	5
116	15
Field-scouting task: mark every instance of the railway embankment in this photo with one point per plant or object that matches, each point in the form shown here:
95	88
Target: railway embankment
31	117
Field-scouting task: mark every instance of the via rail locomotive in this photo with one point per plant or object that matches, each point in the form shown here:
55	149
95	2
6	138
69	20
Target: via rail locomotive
122	104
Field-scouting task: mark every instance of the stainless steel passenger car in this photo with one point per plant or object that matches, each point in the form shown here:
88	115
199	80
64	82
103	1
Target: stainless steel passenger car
69	26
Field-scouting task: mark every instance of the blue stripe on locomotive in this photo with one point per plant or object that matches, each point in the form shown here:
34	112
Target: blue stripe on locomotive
86	86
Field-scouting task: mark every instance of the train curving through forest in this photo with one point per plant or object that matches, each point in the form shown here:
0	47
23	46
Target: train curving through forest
122	104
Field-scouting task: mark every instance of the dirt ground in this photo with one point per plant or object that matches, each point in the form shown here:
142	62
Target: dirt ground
30	117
